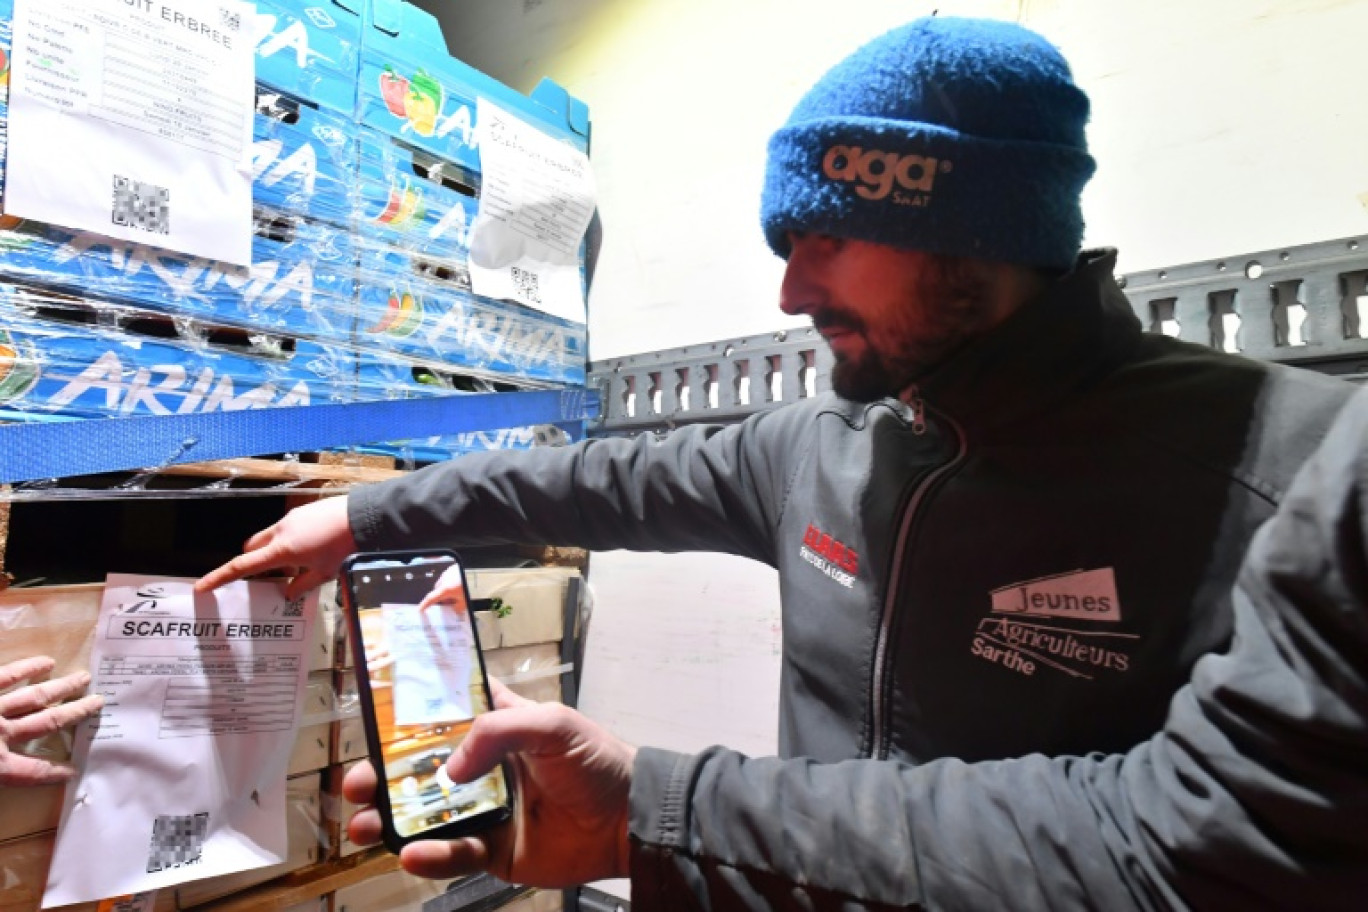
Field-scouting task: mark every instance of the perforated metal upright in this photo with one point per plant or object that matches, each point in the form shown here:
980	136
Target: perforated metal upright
1306	306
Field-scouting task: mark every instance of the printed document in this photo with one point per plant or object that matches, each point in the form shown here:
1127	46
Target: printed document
433	653
182	775
134	120
536	201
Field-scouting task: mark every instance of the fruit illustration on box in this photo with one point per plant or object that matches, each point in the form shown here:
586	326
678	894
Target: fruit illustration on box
4	68
18	368
394	89
402	316
423	103
404	206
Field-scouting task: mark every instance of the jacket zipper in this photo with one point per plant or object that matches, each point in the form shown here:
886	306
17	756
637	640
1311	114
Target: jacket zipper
877	700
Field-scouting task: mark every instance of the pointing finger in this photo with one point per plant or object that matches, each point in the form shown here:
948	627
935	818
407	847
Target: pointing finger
244	565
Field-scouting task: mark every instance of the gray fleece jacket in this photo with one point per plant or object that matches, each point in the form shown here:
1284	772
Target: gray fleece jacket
1029	556
1252	795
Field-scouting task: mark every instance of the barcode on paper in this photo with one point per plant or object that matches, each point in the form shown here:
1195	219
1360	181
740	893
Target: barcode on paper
177	841
146	207
232	21
527	284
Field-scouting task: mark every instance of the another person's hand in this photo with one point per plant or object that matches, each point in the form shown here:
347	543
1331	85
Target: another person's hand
30	712
312	541
570	815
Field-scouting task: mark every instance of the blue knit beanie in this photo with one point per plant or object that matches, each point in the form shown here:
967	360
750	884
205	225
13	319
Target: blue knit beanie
953	136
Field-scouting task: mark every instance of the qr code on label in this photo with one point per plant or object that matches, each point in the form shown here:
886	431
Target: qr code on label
293	608
146	207
177	841
232	21
527	284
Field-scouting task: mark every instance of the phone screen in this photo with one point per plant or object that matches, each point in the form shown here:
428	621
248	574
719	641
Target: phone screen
427	685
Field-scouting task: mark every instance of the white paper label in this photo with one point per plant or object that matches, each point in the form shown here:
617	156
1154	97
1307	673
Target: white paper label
433	653
536	201
187	761
134	120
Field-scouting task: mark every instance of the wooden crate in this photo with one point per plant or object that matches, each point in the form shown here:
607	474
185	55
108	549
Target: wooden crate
523	647
313	742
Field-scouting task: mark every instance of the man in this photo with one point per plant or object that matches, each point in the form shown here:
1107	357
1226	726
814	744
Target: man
29	711
1253	795
1016	526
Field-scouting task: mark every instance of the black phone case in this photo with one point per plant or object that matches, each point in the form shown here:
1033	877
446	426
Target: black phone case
391	838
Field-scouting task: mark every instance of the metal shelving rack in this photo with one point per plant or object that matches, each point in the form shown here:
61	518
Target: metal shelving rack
1306	306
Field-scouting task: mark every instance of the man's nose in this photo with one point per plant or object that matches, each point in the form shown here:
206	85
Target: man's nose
801	291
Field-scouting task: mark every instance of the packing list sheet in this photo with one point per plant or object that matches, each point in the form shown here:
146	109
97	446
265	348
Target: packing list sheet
182	775
537	197
133	119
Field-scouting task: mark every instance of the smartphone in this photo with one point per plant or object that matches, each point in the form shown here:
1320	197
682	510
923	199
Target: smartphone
421	678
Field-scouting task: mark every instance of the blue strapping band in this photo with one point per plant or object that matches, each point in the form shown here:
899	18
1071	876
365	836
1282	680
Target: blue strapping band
58	449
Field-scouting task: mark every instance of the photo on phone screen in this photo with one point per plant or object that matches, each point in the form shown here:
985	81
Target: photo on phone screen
427	684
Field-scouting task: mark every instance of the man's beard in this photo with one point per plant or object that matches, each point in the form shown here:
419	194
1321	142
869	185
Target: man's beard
956	291
866	379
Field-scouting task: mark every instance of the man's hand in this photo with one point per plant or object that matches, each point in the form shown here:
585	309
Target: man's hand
570	815
311	540
37	710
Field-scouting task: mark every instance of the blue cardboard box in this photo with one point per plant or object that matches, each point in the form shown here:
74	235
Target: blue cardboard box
55	365
301	282
410	200
311	49
388	266
412	89
303	159
459	330
391	378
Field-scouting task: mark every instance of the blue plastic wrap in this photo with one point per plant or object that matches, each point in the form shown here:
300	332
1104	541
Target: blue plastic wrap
303	159
434	317
311	49
67	357
302	278
407	199
407	379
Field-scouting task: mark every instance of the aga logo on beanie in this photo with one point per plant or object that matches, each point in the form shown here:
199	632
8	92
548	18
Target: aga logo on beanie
876	172
867	152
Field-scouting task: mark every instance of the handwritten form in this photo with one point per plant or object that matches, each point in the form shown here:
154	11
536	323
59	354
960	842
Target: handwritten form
182	775
134	120
536	201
